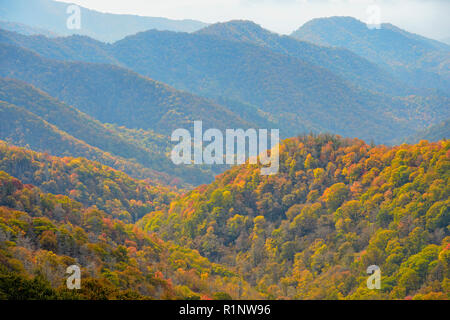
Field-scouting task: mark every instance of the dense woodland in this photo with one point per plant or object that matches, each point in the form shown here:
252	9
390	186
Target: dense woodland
88	182
336	207
310	232
41	234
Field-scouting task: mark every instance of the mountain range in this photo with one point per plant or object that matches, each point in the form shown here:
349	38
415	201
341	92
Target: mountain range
53	16
140	153
344	63
305	96
418	61
86	118
25	29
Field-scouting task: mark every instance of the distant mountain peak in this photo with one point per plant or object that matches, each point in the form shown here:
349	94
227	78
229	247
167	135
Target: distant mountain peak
241	30
315	31
337	19
234	23
340	20
418	61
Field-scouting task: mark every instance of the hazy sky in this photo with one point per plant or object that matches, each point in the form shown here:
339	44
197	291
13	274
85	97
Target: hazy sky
425	17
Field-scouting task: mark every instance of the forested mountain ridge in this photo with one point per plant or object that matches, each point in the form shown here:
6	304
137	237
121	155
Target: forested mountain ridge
72	120
70	48
87	177
70	132
299	96
87	182
114	95
25	29
343	62
42	234
418	61
336	207
306	98
23	128
433	133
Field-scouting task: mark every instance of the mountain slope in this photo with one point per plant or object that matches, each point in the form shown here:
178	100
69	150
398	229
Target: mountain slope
336	207
23	128
300	96
343	62
114	95
152	155
73	121
270	90
72	48
434	133
85	181
419	61
24	29
43	234
53	16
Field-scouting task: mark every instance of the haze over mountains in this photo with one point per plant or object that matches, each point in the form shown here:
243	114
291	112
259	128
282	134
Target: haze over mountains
52	15
25	29
435	132
230	75
416	60
346	64
113	94
32	118
56	78
284	83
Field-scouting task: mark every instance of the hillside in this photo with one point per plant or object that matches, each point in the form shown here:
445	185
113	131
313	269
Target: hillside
433	133
42	234
53	123
23	128
346	64
52	15
271	90
351	201
24	29
336	207
71	48
418	61
300	97
85	181
114	95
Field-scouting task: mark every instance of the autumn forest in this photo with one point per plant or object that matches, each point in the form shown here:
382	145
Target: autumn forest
87	180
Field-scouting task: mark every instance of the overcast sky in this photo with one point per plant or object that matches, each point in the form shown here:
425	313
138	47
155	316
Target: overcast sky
426	17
